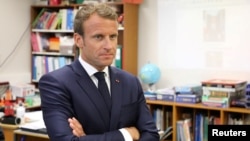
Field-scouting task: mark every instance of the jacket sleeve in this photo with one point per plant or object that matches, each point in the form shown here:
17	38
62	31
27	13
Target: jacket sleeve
145	122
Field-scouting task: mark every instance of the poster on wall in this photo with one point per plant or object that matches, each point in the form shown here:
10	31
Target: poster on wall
214	25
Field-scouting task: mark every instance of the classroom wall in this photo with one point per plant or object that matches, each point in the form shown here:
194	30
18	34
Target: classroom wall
194	40
14	40
171	35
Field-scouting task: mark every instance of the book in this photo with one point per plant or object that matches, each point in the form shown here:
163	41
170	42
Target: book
186	129
219	93
180	132
243	102
166	94
34	42
63	19
205	128
215	101
34	23
150	96
41	21
188	89
167	134
215	104
209	88
39	41
50	20
165	97
214	120
183	127
69	19
118	57
55	21
224	83
188	99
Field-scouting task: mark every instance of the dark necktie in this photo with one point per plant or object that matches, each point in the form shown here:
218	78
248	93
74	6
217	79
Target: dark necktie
103	89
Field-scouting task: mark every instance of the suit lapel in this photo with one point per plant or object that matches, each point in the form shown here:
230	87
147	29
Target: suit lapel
91	90
116	95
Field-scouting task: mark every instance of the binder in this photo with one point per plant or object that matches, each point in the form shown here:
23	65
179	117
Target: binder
118	58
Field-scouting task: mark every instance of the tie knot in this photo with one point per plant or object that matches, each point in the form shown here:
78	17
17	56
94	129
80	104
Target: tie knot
99	75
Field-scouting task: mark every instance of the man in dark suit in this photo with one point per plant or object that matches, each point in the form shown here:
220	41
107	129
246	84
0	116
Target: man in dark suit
73	107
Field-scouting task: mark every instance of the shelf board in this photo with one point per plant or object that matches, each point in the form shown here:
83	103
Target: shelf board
60	31
237	110
198	106
52	31
34	81
52	54
160	102
72	5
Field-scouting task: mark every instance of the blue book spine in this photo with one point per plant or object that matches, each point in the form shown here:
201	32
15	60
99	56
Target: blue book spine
184	99
165	97
34	67
70	19
195	89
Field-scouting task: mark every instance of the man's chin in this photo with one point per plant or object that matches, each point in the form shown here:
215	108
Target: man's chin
105	65
108	63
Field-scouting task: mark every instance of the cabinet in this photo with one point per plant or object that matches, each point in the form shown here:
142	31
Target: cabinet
173	112
41	57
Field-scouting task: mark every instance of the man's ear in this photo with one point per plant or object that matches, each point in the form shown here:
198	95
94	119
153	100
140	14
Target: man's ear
78	40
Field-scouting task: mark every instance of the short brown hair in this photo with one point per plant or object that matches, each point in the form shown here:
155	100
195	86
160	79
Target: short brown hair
102	9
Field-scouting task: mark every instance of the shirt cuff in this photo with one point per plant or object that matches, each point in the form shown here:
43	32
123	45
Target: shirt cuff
126	135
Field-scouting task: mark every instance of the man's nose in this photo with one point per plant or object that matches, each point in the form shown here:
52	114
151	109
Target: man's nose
108	43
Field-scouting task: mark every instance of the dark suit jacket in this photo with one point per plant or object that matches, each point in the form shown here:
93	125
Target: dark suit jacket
70	92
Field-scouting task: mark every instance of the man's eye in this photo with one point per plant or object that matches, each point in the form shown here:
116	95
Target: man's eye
113	37
99	37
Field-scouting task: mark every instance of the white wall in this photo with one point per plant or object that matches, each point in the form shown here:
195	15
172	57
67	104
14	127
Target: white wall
167	28
148	45
15	18
172	35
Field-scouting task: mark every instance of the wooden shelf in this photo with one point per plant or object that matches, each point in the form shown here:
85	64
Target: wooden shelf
127	38
52	54
32	134
198	106
177	109
52	31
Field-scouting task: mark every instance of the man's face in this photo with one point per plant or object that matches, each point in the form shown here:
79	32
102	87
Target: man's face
99	41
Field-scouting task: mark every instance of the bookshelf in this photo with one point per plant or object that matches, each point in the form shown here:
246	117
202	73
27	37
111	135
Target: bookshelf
177	109
127	39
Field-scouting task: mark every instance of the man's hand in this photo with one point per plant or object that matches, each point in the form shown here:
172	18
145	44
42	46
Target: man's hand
77	129
133	132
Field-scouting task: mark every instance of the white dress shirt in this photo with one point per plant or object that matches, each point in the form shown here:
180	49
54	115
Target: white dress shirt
91	71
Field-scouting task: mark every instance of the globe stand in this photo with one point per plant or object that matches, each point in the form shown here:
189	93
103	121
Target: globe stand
151	88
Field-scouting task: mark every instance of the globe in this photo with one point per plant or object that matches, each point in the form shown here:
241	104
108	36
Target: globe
150	74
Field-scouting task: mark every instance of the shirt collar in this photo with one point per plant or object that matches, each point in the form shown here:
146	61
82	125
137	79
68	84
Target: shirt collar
90	69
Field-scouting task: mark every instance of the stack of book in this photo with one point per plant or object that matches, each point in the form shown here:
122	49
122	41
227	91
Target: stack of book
166	94
150	95
220	92
244	101
188	93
